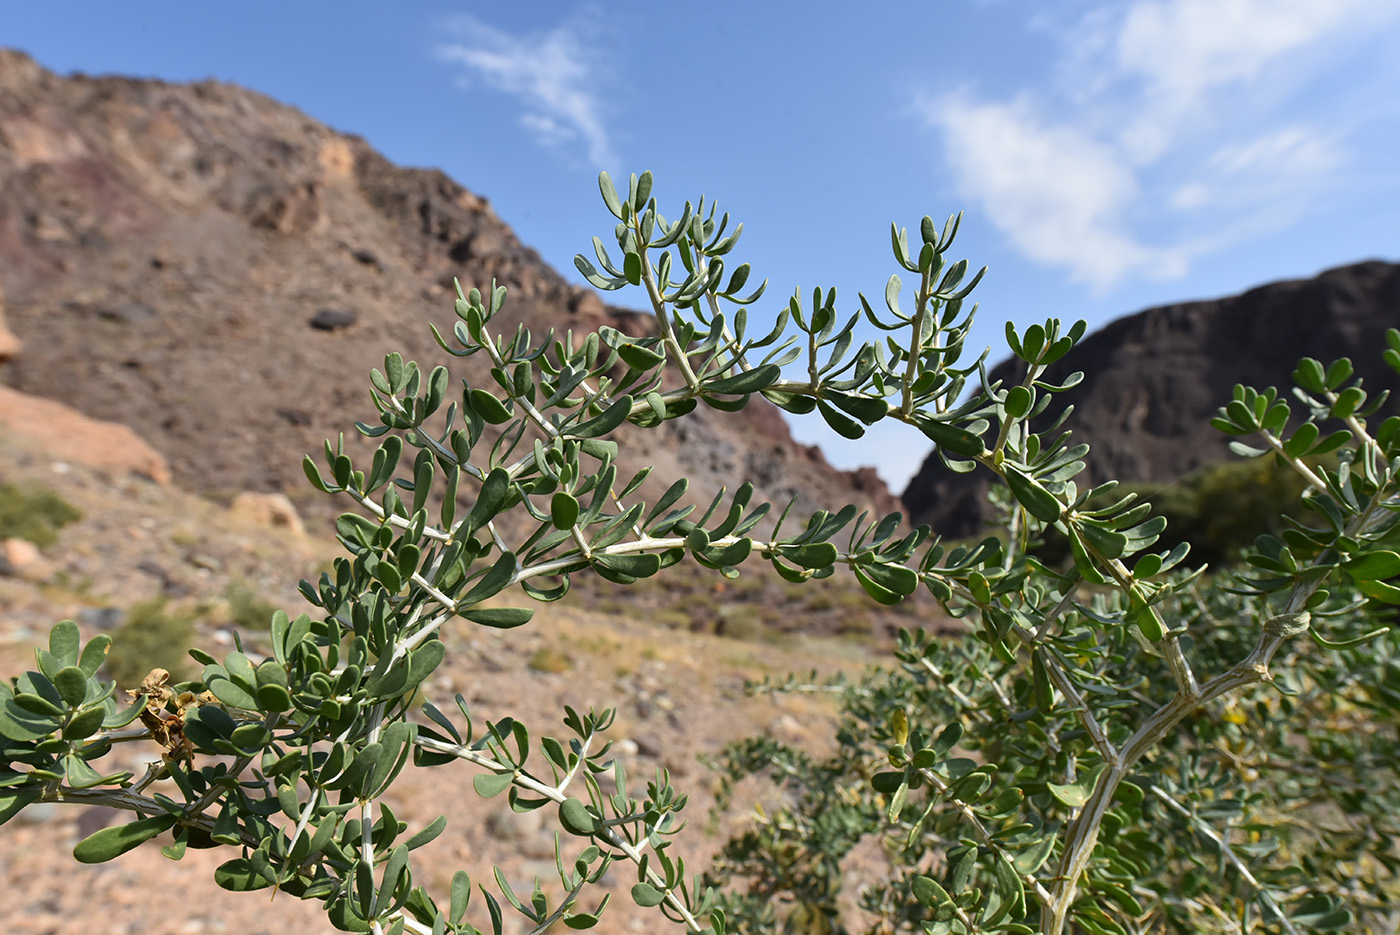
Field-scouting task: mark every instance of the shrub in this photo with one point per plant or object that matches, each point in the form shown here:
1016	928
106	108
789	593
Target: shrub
550	659
1218	509
1056	770
248	609
150	637
35	513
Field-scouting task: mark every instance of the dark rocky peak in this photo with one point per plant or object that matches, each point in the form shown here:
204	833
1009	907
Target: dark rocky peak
1154	380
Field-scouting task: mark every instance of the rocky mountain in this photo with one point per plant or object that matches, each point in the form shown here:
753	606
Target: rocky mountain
219	272
1154	380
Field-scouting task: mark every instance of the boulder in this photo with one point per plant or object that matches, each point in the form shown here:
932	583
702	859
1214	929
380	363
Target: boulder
9	344
69	435
20	558
333	319
272	510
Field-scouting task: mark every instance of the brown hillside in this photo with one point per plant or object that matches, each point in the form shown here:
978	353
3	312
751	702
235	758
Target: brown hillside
219	272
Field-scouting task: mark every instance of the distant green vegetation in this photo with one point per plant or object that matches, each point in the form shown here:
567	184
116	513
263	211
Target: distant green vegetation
35	513
1219	509
152	637
247	608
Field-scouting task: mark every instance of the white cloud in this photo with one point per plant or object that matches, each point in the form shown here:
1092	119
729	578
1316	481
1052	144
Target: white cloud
1186	47
1059	194
1290	151
1154	111
554	75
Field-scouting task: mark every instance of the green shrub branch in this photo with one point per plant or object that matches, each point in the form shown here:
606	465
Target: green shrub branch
1004	773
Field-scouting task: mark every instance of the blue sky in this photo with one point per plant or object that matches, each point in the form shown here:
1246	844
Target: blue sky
1109	156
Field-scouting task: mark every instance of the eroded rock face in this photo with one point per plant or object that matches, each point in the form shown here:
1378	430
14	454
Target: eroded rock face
1154	380
229	220
71	436
9	344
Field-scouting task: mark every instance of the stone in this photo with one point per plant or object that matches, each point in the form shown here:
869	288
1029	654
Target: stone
271	510
93	818
295	416
9	344
333	319
20	558
538	846
649	745
71	436
127	313
506	824
101	618
38	813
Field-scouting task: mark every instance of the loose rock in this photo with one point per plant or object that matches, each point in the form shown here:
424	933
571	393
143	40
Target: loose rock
20	558
333	319
272	510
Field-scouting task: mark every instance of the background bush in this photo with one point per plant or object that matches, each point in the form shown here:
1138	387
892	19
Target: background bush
152	636
34	513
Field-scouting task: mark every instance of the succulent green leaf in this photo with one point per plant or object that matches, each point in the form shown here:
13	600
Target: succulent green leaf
749	381
894	578
816	555
1018	402
638	357
611	199
1380	591
488	407
497	577
232	694
877	591
865	408
575	817
952	438
608	420
840	423
273	698
647	896
1040	680
563	509
1338	372
930	892
1107	542
1310	376
1375	565
72	684
63	642
1075	794
1028	492
13	800
499	618
625	568
240	876
109	843
1033	858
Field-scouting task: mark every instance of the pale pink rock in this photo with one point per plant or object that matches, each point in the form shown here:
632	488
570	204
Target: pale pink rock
20	558
273	510
71	436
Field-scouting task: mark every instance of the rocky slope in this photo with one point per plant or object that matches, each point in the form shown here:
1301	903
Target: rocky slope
219	272
1154	380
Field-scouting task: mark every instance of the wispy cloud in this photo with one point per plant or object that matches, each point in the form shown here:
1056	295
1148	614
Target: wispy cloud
555	75
1056	192
1156	111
